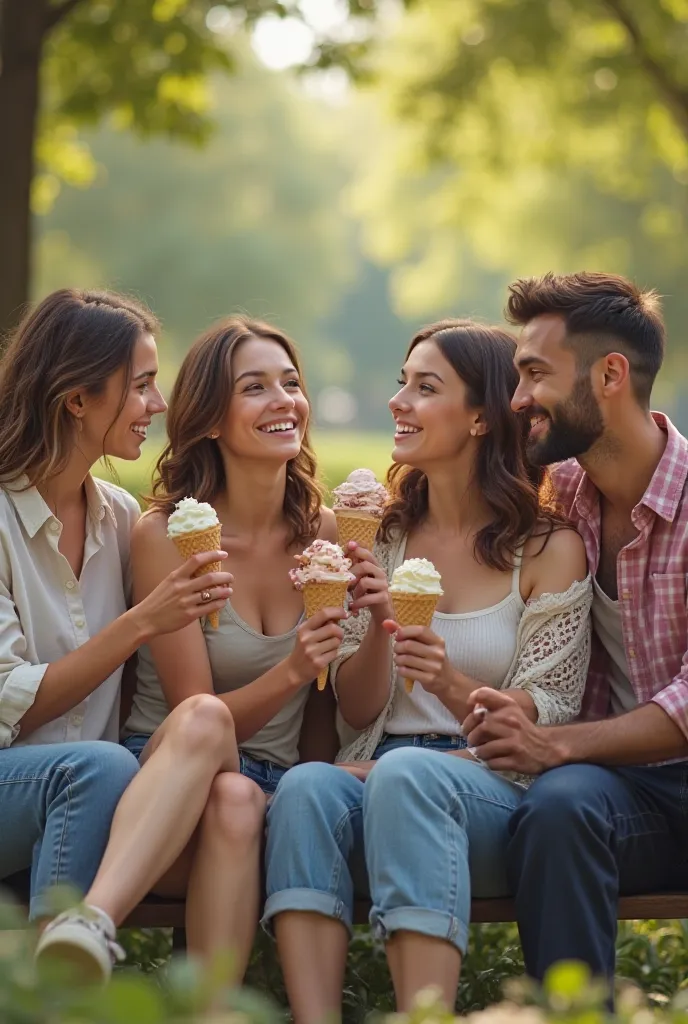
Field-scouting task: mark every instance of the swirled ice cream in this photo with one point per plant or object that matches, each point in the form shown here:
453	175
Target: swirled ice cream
321	562
361	491
191	516
416	576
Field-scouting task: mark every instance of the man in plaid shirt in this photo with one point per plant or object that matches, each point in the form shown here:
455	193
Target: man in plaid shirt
608	813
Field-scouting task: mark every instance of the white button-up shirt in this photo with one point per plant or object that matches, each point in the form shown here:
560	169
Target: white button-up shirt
46	612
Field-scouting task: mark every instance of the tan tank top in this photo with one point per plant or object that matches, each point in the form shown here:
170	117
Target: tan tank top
238	655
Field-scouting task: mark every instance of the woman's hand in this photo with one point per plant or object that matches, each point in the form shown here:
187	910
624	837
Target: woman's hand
371	587
419	655
359	769
317	642
178	599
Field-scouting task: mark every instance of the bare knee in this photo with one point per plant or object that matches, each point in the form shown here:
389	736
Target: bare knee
235	811
202	724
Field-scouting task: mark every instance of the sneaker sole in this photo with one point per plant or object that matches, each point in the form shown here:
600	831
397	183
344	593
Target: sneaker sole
84	966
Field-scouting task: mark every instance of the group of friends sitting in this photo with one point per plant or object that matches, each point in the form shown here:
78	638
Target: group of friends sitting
530	741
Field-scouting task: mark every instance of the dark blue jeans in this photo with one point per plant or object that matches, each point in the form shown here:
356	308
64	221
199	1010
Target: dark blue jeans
581	837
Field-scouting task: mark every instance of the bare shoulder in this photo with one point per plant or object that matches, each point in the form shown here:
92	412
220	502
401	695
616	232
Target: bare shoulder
150	529
328	524
552	563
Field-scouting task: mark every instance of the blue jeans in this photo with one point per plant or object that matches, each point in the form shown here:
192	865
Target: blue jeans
435	829
265	774
57	801
582	836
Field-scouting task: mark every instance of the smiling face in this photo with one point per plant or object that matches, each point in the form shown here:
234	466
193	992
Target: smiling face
432	416
268	412
566	419
113	423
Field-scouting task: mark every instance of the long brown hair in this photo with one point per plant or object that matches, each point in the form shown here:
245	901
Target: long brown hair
72	341
483	359
191	464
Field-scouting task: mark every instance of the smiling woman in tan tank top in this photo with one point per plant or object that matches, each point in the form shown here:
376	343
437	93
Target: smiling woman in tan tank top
238	438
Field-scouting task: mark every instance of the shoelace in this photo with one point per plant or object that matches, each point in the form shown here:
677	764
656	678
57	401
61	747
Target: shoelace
116	952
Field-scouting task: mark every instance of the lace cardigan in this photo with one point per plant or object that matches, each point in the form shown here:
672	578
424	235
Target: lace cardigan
551	659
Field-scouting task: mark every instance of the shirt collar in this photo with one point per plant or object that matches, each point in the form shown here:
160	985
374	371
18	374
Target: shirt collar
665	490
34	512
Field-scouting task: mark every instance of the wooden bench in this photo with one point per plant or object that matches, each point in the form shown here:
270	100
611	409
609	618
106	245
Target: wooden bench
159	913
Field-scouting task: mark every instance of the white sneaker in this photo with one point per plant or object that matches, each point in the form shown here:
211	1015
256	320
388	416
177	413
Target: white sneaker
83	938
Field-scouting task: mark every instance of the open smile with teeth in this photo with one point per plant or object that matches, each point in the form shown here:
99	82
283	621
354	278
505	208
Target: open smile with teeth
406	428
140	431
535	421
278	428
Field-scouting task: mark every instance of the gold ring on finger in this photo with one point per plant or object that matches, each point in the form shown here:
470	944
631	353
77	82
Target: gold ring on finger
206	596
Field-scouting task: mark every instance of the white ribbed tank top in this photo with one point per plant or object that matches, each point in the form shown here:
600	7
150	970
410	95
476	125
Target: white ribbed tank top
481	644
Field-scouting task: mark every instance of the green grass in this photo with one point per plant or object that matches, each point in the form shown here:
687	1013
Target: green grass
338	453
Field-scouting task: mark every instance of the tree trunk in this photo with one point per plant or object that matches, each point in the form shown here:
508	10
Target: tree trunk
22	29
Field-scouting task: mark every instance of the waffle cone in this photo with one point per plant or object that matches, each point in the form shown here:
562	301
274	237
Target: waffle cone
327	594
413	610
188	544
358	526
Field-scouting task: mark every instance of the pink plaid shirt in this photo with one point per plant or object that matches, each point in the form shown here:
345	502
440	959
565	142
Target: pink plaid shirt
652	572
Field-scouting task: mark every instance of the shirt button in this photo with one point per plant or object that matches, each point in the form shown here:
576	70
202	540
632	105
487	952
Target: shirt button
55	527
77	719
626	595
69	584
631	652
79	623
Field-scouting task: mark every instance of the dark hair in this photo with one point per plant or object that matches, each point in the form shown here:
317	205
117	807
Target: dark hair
73	340
603	313
483	359
191	463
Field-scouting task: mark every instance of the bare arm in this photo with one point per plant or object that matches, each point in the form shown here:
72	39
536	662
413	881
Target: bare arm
363	679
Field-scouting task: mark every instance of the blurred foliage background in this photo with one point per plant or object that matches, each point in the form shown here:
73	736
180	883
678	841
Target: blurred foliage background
349	169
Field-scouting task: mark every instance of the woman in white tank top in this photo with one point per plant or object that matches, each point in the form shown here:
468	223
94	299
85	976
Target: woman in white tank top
514	614
238	438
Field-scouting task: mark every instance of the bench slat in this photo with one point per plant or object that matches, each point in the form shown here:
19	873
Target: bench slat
158	913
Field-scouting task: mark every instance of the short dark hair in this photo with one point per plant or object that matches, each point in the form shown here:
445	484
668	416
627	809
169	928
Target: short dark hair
603	313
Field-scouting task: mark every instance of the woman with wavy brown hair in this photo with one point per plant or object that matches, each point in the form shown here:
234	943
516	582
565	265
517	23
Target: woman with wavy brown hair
409	815
238	439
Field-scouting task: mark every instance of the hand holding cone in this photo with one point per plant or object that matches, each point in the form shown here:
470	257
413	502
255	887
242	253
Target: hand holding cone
194	527
323	576
415	590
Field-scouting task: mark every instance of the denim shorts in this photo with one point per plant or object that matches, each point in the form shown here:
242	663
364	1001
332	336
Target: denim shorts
430	740
265	774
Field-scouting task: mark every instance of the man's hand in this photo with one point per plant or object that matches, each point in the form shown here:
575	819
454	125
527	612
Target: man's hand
504	737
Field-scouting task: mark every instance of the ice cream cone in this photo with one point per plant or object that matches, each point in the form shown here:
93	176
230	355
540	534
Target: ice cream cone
189	544
325	594
413	610
358	526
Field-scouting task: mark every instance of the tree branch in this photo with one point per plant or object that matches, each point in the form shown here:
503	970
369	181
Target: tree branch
54	15
675	95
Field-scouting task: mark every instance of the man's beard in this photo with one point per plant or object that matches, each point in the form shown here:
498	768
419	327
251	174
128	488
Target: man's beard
574	427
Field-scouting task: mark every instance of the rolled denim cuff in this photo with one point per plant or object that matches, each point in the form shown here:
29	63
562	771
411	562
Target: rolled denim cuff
311	901
435	923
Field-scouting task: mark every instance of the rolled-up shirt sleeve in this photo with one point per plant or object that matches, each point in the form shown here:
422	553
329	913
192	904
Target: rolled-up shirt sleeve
674	698
19	678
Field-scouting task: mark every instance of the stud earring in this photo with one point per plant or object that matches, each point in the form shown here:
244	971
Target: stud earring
473	431
215	434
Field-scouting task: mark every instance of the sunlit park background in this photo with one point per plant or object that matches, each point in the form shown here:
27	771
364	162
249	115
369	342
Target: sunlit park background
348	169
